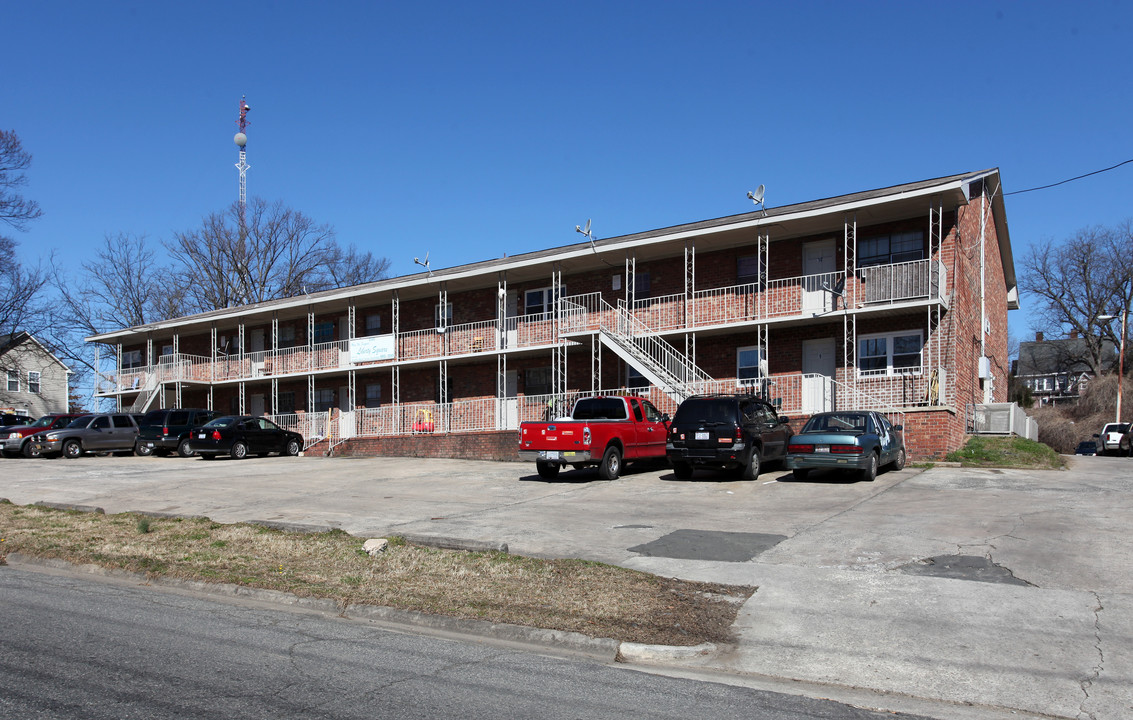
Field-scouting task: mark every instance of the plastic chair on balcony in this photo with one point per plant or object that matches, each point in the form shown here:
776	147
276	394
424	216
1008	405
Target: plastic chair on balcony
838	291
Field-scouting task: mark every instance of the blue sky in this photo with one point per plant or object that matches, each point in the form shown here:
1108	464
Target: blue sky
471	130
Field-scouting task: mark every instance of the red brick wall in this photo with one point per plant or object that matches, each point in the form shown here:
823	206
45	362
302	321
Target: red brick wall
498	446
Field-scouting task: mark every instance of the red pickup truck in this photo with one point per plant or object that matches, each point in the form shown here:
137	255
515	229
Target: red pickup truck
602	431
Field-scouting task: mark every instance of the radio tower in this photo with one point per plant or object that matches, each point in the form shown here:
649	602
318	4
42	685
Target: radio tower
241	141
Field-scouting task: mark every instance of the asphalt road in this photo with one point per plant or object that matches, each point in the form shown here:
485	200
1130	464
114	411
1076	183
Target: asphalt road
77	648
983	593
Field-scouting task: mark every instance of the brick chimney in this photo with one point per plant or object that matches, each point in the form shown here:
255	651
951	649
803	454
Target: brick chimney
1038	337
1073	334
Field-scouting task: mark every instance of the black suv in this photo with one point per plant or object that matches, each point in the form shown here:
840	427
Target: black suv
727	432
166	430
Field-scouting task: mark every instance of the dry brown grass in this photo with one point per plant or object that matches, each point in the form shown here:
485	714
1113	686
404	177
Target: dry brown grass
1064	426
591	598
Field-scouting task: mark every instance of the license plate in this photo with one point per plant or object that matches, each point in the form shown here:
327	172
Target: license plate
200	436
552	454
822	448
702	436
149	445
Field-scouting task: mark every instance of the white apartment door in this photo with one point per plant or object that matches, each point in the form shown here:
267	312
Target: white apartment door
257	348
507	417
818	375
511	326
345	413
257	340
819	264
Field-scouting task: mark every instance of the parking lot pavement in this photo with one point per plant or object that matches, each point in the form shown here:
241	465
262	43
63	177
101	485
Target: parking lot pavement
1008	589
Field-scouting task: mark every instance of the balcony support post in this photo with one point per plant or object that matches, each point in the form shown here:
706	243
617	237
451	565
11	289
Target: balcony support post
763	249
310	343
690	284
850	259
274	395
595	364
558	349
118	373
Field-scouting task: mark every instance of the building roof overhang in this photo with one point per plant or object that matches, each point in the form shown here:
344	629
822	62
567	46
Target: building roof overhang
783	223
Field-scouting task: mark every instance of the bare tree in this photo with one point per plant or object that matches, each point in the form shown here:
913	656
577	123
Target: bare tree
19	286
15	210
1074	282
20	307
124	285
269	252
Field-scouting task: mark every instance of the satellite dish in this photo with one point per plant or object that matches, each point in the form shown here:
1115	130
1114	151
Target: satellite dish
424	264
585	230
756	196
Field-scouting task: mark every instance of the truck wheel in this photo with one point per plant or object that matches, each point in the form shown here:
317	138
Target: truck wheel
72	449
751	469
29	450
611	465
870	472
142	450
547	470
682	470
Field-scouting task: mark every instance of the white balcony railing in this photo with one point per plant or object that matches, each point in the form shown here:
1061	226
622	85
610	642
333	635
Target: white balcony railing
801	296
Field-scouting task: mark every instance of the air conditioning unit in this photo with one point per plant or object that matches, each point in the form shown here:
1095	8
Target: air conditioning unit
985	368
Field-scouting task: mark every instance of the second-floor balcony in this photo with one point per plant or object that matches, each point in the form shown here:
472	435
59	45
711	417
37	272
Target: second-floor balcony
798	297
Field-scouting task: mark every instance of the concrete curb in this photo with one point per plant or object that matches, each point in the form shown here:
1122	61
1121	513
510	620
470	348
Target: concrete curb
601	649
451	543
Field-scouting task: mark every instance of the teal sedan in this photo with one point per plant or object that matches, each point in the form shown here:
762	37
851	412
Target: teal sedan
858	440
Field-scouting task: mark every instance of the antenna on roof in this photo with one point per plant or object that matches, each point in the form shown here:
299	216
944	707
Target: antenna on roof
424	264
756	196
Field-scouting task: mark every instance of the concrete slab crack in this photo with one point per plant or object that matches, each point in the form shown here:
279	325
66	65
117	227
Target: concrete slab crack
1088	681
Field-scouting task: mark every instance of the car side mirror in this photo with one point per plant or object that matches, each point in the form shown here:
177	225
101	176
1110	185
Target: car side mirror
665	418
783	419
898	428
1096	435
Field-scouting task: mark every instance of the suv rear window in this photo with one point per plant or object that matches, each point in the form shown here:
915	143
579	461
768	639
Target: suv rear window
153	418
706	410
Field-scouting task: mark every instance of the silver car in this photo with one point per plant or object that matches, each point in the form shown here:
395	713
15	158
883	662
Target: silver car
103	432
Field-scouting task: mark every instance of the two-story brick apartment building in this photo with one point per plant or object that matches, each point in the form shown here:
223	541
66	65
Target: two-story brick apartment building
894	298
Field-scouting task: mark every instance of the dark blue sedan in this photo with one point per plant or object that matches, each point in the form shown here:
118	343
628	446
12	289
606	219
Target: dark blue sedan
241	435
860	440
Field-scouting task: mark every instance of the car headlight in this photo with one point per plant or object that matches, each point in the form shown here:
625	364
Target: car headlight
51	437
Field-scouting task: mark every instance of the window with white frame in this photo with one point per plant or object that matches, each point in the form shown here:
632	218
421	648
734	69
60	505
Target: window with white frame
642	286
33	381
892	248
373	326
895	353
285	403
131	359
373	395
446	320
286	337
324	333
634	379
747	270
748	364
13	381
537	381
324	399
540	302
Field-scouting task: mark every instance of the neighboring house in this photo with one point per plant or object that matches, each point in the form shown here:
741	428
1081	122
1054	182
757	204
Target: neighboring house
35	382
1056	371
893	299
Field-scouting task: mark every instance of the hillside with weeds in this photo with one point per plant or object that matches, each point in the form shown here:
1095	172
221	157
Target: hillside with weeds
1064	426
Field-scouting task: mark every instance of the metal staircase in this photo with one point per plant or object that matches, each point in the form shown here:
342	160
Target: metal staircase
660	363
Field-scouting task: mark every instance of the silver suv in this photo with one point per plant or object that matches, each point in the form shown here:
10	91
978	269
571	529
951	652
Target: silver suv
103	432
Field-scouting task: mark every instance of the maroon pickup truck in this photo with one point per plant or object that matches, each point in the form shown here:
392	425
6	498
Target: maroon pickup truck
604	431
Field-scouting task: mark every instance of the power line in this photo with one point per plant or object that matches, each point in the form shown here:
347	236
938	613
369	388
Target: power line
1044	187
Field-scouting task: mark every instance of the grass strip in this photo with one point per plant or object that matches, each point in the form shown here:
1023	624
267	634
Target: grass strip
592	598
1007	452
